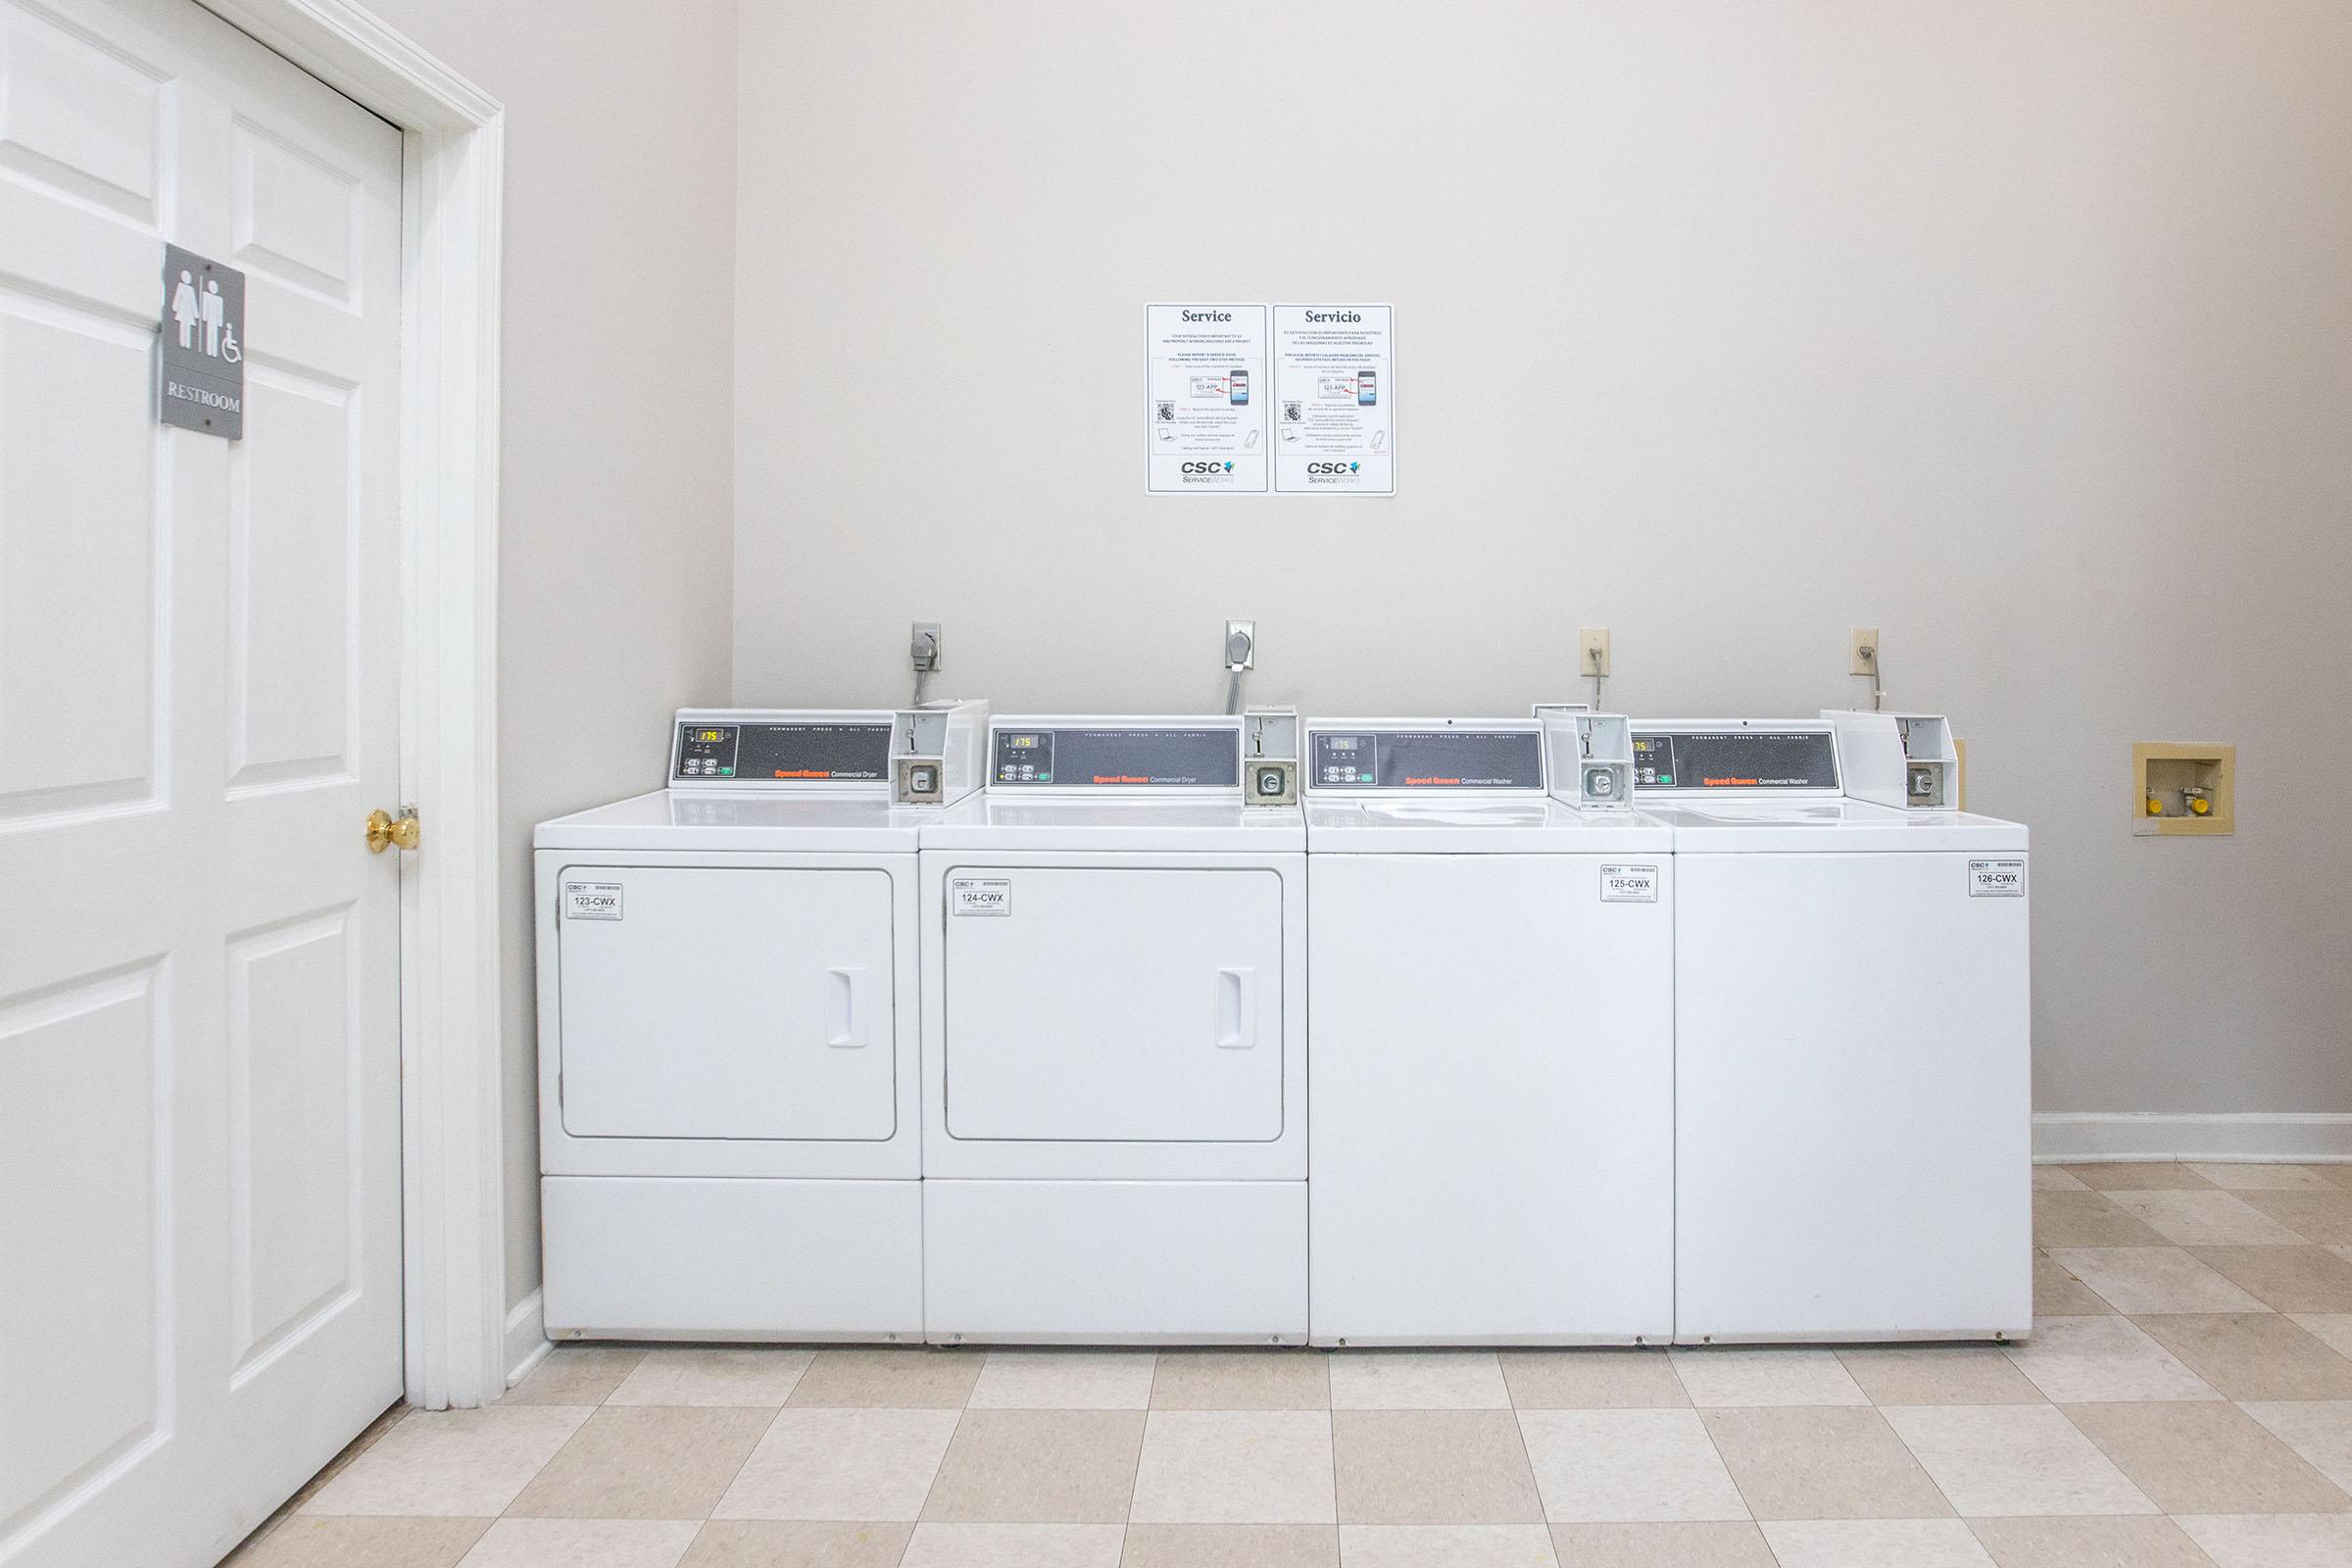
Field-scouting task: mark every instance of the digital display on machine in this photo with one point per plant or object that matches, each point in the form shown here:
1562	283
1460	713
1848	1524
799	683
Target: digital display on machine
1740	759
1423	760
1118	758
819	754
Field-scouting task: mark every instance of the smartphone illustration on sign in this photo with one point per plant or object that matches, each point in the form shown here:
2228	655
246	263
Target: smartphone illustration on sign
1238	383
1367	388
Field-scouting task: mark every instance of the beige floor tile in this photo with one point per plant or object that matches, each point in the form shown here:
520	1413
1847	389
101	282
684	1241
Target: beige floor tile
2205	1457
713	1375
2307	1540
2128	1542
2331	1328
583	1543
457	1463
791	1544
2286	1279
1771	1375
2087	1219
2206	1219
1417	1380
1822	1463
2057	1179
2153	1279
2058	1293
1070	1467
1661	1545
2082	1360
1445	1547
2322	1217
841	1464
1064	1380
576	1374
889	1380
1875	1544
2125	1176
331	1541
1627	1467
2319	1429
1012	1545
2264	1178
2249	1356
652	1462
1241	1379
1231	1547
1938	1374
2000	1459
1268	1467
1432	1467
1592	1380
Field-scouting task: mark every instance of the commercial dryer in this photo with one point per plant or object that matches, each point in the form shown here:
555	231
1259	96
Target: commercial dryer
729	1126
1490	1035
1114	1050
1852	1094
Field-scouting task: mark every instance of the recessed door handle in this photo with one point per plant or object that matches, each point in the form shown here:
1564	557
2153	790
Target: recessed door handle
845	1008
1236	1010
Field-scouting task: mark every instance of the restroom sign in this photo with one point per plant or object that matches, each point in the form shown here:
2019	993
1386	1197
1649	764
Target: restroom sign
199	370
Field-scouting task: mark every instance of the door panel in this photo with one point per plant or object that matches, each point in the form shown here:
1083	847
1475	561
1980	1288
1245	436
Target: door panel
728	1004
199	676
1117	1005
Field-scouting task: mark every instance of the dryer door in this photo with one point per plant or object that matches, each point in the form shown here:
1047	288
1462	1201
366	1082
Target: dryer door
705	1002
1114	1004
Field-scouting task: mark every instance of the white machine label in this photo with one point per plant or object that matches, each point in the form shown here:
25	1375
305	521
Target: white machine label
1996	879
980	895
591	900
1629	884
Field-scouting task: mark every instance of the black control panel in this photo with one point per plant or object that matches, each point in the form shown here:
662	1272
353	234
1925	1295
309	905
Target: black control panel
810	753
1117	758
1426	759
1738	758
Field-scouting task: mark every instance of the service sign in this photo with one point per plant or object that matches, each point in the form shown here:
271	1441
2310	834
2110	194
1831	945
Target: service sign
200	369
1334	400
1205	388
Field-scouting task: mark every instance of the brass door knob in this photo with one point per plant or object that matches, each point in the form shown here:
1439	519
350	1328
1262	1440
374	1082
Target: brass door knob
385	830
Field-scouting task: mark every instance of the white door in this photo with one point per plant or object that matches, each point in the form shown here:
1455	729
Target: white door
199	1113
1115	1005
710	1002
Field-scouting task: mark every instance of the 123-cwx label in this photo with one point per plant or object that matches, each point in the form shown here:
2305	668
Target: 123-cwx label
1996	879
1629	884
591	900
980	895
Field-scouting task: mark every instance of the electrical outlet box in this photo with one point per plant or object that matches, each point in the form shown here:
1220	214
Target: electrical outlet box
1593	655
924	650
1862	655
2183	790
1241	645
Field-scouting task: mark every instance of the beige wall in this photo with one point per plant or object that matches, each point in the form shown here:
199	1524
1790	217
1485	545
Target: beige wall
2019	330
614	502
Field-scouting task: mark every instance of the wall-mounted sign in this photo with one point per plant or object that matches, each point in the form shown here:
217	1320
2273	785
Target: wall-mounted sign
1334	400
200	372
1204	386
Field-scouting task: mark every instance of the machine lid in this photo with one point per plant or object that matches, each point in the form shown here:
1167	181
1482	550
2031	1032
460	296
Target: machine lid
1458	824
1085	755
1774	759
1826	826
689	819
782	751
1394	757
1106	819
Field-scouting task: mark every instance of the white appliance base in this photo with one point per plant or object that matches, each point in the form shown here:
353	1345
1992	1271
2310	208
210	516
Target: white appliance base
1104	1263
667	1257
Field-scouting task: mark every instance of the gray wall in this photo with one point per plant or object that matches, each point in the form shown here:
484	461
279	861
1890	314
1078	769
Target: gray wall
614	497
2017	330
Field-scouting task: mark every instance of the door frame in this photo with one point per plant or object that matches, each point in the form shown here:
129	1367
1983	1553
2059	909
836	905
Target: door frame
453	1201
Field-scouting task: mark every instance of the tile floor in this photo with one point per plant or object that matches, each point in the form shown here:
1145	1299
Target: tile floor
2186	1398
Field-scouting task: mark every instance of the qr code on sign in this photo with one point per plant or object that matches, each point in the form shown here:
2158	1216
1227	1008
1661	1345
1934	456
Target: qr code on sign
1289	409
1167	410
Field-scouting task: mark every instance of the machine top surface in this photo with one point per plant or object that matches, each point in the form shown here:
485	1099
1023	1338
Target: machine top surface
1458	824
688	819
1105	820
1821	826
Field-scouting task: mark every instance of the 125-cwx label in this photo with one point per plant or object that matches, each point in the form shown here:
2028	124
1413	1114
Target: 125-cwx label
1629	884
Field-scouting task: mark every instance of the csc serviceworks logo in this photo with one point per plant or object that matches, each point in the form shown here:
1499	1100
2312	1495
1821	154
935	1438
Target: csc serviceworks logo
1331	467
1209	468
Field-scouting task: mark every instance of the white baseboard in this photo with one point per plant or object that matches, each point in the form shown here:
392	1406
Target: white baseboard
2084	1138
526	1339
